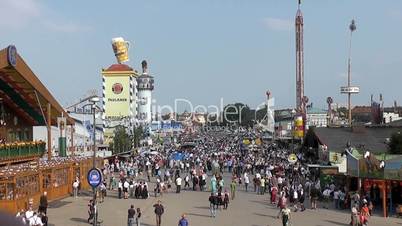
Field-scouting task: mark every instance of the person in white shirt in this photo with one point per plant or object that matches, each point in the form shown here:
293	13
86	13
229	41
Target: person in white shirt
336	198
28	214
280	181
75	188
120	188
295	198
178	184
187	182
341	199
246	180
126	186
326	194
35	220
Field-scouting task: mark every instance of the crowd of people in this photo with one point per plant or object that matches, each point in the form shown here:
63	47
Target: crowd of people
203	161
30	217
208	158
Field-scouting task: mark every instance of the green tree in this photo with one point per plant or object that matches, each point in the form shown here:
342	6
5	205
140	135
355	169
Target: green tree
121	140
395	144
138	135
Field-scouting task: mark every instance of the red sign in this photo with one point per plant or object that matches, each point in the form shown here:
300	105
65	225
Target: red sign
117	88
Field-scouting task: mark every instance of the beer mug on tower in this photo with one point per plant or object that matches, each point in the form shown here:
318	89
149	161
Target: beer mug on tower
120	49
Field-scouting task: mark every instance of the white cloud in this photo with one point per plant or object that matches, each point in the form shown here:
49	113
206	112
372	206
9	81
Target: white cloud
278	24
19	14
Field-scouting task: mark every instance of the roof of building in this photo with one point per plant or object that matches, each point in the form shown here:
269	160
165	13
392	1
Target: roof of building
25	94
372	139
361	109
119	67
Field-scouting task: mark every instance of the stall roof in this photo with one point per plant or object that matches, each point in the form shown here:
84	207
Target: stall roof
24	93
372	139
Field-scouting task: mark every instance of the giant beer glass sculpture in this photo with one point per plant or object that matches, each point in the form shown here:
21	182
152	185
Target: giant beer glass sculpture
120	49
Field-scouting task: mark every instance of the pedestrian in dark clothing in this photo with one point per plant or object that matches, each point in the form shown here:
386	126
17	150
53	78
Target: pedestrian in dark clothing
138	217
159	210
130	217
43	203
91	210
195	182
43	218
213	204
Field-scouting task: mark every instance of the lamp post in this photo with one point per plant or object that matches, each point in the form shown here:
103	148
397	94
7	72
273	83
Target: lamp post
293	128
93	101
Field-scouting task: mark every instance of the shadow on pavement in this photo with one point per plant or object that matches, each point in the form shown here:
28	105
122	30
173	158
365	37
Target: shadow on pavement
79	220
337	223
198	215
202	207
58	204
264	215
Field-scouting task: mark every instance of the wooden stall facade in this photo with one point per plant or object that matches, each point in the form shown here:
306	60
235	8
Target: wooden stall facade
18	188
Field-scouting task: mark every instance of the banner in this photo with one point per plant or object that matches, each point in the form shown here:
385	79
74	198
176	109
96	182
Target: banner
117	97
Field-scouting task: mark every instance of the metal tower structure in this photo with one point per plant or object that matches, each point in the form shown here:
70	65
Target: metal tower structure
349	89
300	105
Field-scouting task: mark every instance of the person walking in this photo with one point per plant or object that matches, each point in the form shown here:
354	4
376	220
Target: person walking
246	181
178	184
336	199
43	203
213	204
285	214
130	217
183	221
75	188
91	211
326	194
233	189
120	189
138	217
159	210
354	217
314	197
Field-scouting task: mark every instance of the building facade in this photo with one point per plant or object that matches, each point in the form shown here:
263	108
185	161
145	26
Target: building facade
317	117
145	86
119	102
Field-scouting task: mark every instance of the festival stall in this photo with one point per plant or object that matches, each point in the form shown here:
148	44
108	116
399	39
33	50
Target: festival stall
24	183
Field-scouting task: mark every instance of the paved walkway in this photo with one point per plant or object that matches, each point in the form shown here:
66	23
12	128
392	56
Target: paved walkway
248	209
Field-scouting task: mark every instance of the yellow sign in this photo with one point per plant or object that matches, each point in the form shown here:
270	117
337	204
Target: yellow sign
117	97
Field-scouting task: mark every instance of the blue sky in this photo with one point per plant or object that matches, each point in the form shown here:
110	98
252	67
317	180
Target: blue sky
204	50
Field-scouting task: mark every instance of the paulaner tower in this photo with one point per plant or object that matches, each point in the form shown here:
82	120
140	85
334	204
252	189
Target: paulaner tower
300	103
